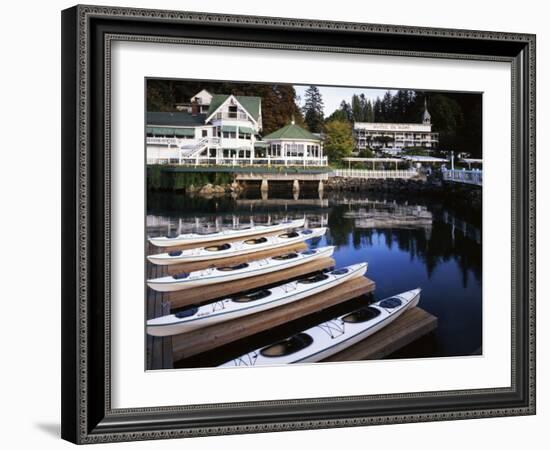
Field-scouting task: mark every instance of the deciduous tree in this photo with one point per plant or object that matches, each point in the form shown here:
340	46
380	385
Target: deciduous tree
339	142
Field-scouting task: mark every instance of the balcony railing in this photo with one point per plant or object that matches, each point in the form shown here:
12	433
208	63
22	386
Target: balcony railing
166	141
231	115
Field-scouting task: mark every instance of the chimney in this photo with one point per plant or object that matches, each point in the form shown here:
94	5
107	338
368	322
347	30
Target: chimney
194	108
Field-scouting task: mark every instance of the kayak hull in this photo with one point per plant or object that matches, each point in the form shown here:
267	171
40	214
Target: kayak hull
214	276
218	312
358	338
232	249
328	338
196	238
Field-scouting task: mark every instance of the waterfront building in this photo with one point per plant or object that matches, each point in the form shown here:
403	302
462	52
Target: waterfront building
294	145
226	130
393	138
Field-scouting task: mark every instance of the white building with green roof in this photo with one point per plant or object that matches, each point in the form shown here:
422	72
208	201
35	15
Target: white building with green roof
226	131
294	145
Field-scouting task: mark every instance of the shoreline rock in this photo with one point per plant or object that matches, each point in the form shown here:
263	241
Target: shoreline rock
466	195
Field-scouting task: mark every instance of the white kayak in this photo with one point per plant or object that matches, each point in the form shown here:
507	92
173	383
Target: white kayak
214	275
329	338
229	249
252	302
197	238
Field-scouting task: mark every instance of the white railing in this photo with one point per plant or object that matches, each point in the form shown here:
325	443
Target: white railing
373	174
267	161
233	116
464	176
165	141
189	150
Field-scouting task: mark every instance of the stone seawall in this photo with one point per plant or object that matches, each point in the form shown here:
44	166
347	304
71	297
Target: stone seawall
460	194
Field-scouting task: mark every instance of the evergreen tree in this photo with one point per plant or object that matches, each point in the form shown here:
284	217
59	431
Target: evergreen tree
363	103
377	110
356	108
278	106
343	113
346	109
161	95
313	109
387	107
369	112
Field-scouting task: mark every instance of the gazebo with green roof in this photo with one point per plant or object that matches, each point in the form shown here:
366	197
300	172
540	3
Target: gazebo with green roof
294	145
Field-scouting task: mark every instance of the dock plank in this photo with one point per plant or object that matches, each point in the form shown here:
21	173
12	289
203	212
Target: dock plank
203	294
208	338
200	265
412	325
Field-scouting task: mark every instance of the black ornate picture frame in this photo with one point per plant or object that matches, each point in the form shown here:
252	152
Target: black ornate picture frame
87	35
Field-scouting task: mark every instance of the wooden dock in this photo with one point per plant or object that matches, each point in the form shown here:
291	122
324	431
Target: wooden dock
208	338
412	325
162	352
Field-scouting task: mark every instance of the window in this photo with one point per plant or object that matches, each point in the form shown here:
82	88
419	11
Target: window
204	133
294	149
232	114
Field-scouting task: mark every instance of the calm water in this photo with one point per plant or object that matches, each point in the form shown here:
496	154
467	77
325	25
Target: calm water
407	243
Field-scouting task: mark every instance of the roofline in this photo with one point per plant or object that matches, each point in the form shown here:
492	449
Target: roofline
239	103
291	139
205	90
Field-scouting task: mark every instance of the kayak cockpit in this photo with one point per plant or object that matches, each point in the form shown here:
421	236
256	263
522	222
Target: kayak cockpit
287	346
285	257
253	296
342	271
361	315
313	279
390	303
231	268
180	276
187	312
290	235
309	251
217	248
255	241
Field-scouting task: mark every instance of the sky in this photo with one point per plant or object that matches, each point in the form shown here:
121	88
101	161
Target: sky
333	96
